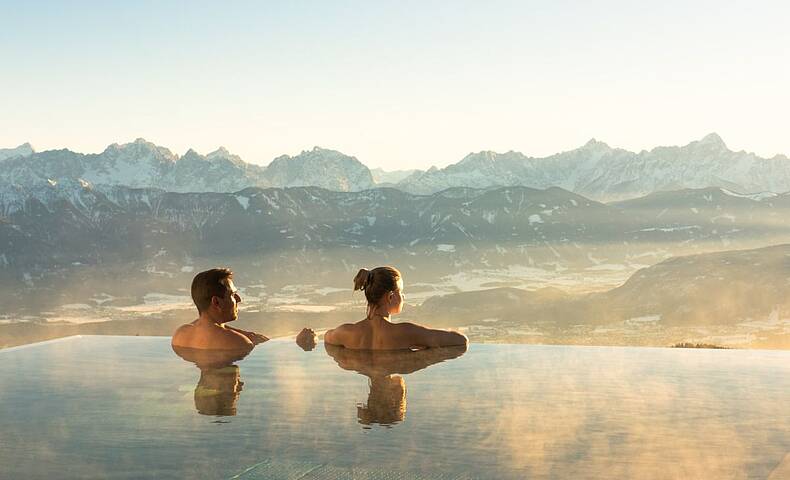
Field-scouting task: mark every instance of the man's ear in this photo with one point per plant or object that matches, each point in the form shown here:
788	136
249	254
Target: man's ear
215	301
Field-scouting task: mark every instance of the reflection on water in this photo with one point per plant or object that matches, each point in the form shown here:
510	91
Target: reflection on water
220	385
386	403
110	407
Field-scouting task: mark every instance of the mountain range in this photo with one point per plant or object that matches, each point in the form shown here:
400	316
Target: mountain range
594	170
142	164
600	172
71	218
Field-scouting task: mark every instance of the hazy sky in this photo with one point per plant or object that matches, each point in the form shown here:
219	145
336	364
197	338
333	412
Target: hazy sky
401	84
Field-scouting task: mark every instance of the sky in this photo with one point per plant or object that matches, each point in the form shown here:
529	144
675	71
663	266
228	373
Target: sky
399	85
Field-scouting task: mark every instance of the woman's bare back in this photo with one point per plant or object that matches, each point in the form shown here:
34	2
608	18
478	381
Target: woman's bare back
380	334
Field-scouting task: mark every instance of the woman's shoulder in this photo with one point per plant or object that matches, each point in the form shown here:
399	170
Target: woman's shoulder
410	327
353	326
346	334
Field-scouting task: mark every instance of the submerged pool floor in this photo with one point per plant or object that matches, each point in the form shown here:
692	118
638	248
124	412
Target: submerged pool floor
129	407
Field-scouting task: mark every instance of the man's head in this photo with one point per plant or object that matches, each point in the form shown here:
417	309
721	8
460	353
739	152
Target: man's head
215	295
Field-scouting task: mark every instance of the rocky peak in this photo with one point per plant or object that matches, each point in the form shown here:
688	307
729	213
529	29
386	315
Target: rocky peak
23	150
594	146
322	168
222	153
711	140
191	156
140	148
483	158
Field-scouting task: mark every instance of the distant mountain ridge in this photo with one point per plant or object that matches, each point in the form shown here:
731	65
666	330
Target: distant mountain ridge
141	164
600	172
595	170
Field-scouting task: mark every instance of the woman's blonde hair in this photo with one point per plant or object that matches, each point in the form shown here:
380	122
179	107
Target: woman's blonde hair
377	282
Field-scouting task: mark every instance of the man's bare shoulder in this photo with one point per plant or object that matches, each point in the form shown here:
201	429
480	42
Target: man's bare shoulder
185	328
230	340
191	335
183	334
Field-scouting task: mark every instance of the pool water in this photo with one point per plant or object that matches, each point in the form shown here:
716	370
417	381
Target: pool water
130	407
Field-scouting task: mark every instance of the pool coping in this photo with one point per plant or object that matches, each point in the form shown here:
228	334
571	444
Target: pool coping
292	337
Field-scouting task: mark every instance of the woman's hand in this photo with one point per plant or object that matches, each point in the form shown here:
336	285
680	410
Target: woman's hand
307	339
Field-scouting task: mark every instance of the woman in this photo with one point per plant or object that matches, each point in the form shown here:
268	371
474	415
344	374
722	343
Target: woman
383	287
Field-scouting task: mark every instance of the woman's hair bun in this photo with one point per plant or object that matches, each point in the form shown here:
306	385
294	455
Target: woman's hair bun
376	282
362	279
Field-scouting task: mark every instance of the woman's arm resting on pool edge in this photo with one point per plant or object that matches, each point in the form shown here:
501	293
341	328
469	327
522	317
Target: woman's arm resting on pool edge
429	337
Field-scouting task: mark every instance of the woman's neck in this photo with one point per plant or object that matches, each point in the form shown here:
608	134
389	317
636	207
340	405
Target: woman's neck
376	316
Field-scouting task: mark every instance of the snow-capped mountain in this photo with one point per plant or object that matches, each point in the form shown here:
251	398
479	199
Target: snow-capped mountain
594	170
319	167
476	170
598	171
139	164
21	151
142	164
219	171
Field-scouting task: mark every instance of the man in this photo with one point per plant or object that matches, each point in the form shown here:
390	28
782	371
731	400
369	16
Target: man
217	301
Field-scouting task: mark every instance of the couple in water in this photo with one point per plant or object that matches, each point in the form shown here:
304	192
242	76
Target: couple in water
217	301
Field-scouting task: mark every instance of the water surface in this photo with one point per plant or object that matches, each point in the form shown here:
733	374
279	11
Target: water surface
129	407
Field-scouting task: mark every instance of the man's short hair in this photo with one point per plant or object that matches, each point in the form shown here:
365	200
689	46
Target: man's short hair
209	284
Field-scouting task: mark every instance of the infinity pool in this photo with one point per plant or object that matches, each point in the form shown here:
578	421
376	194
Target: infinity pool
129	407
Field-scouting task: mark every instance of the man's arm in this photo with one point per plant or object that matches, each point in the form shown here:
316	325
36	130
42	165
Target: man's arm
253	337
232	340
